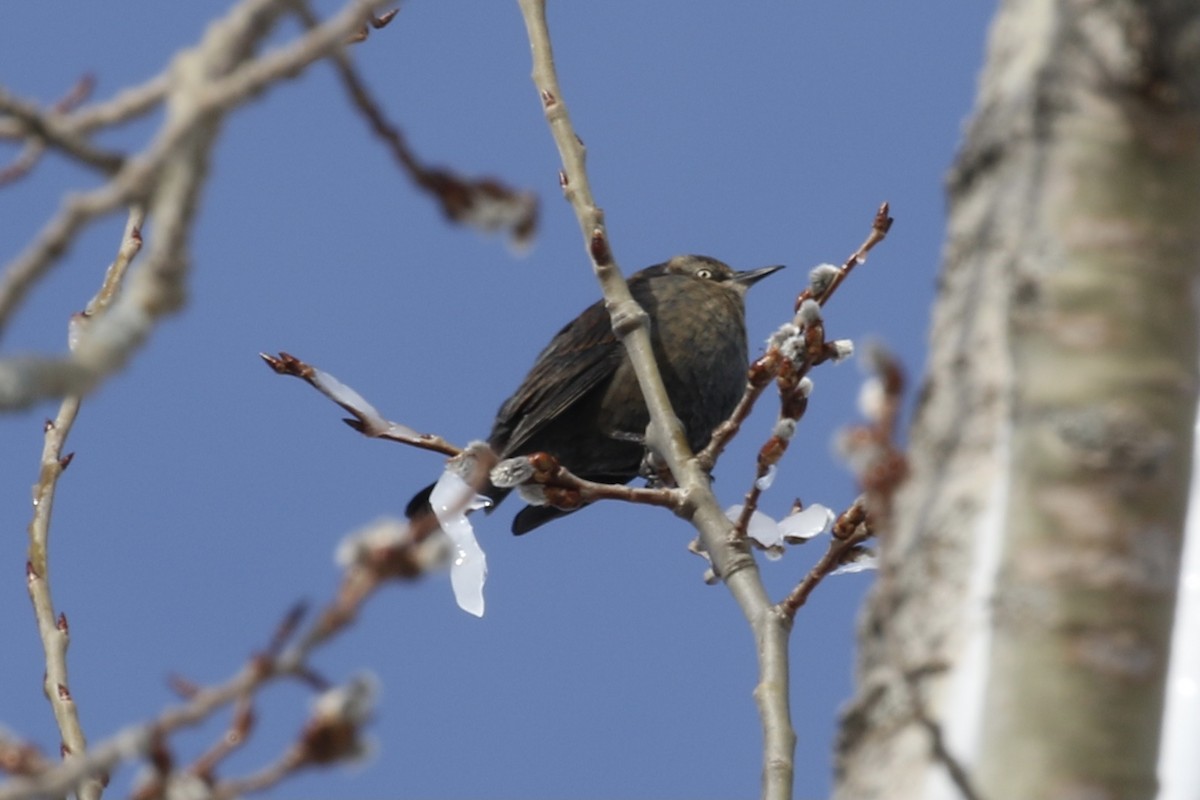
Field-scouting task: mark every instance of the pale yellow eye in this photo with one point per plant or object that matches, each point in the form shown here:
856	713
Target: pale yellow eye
704	273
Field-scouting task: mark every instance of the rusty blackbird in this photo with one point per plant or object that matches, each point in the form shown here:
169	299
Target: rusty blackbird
581	401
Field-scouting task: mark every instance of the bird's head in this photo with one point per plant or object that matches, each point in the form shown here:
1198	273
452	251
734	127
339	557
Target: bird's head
710	269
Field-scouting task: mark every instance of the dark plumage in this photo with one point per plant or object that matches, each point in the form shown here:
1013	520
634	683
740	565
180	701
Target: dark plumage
581	401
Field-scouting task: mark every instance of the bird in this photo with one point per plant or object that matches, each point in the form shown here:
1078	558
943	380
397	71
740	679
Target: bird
581	401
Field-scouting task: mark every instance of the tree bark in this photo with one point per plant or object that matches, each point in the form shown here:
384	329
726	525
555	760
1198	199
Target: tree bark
1017	641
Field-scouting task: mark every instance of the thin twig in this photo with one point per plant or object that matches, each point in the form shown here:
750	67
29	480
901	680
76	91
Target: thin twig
271	775
23	164
366	420
485	203
871	448
229	742
880	225
849	533
880	467
53	629
723	434
767	366
793	394
49	128
129	104
591	491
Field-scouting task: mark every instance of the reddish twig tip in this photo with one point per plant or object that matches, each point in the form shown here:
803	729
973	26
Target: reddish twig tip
287	364
383	19
182	686
883	222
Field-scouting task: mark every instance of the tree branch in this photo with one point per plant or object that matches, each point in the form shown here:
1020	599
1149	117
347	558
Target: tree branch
731	559
202	86
484	203
385	551
53	629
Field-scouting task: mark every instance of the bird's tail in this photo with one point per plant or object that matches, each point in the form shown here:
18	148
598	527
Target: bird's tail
527	518
531	517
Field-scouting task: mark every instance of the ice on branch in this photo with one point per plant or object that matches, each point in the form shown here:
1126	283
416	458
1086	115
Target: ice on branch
768	478
371	420
348	398
862	561
451	499
793	529
806	524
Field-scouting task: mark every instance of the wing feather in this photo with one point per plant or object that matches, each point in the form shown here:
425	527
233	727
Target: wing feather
580	357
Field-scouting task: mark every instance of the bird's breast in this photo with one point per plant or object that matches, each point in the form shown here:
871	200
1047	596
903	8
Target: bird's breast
699	336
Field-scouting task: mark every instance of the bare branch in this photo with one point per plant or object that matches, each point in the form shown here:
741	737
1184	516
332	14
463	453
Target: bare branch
387	550
849	532
878	463
367	420
879	231
14	127
543	479
820	289
129	104
871	449
484	203
203	85
52	628
24	163
49	128
376	22
793	395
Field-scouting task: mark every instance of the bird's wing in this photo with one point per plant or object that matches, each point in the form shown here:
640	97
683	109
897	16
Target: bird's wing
580	357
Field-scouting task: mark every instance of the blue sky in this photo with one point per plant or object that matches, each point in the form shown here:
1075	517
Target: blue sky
207	495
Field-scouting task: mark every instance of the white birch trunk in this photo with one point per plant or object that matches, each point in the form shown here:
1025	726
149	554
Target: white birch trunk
1017	643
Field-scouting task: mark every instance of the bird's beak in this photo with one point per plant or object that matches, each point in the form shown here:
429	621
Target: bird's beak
748	277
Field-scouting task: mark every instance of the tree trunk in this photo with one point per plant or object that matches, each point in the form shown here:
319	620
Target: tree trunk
1017	641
